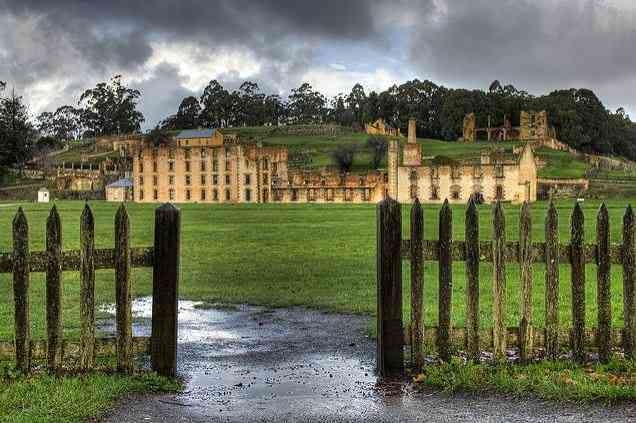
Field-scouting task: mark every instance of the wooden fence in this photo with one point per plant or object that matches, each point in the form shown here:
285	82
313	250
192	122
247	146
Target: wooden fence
391	249
163	258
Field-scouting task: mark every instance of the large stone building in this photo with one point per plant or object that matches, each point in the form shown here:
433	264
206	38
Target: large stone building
204	166
493	176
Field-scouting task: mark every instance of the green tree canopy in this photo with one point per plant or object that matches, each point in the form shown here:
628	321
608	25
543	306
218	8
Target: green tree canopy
111	108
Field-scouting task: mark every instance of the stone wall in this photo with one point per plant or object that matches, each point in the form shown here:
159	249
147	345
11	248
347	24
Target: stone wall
561	188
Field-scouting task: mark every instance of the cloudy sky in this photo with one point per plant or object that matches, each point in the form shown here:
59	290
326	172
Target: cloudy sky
50	51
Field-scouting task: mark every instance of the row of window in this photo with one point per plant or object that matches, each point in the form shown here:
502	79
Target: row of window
215	179
188	167
203	195
455	193
326	194
456	173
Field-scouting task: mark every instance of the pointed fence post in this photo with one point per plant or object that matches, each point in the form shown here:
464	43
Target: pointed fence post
629	283
54	327
525	275
472	281
21	292
417	271
604	333
165	290
499	282
552	283
577	261
445	282
390	343
123	292
87	289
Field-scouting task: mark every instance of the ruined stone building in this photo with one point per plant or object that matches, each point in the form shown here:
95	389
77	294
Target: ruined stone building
380	127
327	186
533	126
493	176
204	166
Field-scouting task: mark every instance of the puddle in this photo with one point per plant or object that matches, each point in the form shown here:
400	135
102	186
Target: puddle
257	364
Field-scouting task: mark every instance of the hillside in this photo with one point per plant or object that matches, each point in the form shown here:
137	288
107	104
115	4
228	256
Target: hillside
309	150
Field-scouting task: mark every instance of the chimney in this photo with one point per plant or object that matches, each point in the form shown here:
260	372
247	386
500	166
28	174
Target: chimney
412	134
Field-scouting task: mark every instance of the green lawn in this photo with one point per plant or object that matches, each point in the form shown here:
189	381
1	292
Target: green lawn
278	255
291	254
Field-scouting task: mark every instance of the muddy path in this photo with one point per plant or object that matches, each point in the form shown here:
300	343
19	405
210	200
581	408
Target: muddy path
255	364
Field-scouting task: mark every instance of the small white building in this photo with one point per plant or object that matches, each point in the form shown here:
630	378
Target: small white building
43	195
120	190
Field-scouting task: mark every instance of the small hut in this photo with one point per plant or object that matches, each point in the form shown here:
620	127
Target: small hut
120	190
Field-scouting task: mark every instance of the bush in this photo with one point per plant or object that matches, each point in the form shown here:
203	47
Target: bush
377	146
343	157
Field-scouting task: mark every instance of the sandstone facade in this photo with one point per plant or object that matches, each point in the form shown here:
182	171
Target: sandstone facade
203	167
380	127
493	177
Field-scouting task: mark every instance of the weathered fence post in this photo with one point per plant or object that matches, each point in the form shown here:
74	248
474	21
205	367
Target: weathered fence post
417	271
87	289
604	333
472	281
123	291
54	328
390	343
552	283
445	282
499	282
629	282
525	275
165	290
21	292
577	260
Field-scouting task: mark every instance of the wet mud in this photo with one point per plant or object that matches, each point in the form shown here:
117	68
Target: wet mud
256	364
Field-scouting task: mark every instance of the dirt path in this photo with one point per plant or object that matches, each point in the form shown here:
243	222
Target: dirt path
254	364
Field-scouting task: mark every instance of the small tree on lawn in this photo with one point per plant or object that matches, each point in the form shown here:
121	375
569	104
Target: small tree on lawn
343	157
377	147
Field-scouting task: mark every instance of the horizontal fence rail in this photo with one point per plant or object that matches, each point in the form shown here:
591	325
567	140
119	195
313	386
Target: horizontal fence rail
498	252
163	257
70	260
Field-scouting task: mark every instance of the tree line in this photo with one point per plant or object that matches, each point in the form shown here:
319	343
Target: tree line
111	107
578	116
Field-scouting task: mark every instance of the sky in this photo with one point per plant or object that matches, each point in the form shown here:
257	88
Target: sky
51	51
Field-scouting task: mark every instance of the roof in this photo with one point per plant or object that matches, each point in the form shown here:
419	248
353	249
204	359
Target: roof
121	183
195	133
43	190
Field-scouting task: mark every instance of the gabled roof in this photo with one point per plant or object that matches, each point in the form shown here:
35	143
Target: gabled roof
195	133
121	183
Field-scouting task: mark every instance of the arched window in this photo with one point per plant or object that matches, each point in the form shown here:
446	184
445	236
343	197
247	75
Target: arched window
227	195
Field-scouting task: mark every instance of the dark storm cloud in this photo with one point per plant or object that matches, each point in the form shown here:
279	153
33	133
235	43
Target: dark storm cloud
91	40
52	50
533	44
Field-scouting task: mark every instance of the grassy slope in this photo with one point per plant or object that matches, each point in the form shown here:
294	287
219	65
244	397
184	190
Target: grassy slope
558	164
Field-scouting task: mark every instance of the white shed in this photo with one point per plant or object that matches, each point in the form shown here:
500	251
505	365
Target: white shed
43	195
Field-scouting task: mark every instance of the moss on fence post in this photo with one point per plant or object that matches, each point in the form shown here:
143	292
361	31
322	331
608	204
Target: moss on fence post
552	283
472	281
